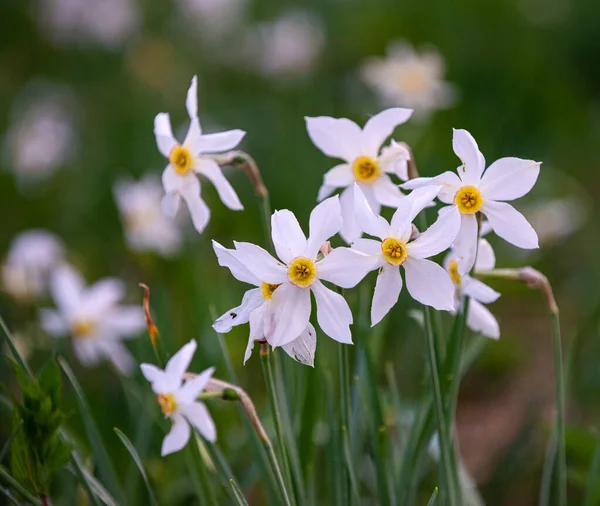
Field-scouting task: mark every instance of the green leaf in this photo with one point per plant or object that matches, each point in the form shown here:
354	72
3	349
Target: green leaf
239	497
136	458
433	497
101	456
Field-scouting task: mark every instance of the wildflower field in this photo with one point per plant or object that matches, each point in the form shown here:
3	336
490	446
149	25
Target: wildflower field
335	252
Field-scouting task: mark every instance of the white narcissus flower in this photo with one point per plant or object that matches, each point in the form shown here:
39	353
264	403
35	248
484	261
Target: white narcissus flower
426	281
409	79
254	305
364	161
31	258
146	228
298	272
93	317
479	318
476	189
191	158
177	399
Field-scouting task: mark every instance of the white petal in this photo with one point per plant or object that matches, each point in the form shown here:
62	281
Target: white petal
126	321
510	224
429	284
249	348
386	192
325	222
387	291
339	176
192	387
173	182
368	246
103	294
213	172
336	137
449	182
198	209
370	223
369	194
486	258
350	230
394	160
466	149
333	314
227	258
178	437
346	267
302	349
170	204
260	263
191	101
178	364
220	142
378	128
466	240
509	178
163	133
53	323
289	311
438	237
87	352
193	137
118	355
480	319
238	315
410	207
478	290
198	416
324	192
288	238
151	372
66	286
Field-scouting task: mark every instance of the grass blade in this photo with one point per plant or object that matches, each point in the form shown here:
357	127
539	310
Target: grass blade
80	473
239	497
138	462
433	497
96	487
6	446
560	417
13	347
591	487
9	496
101	457
6	476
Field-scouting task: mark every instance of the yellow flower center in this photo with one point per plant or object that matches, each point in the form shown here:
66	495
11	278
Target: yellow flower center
468	199
181	159
365	169
82	329
453	271
394	251
167	403
267	290
302	272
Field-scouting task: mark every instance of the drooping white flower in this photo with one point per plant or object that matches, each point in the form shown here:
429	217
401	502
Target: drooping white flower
253	308
298	272
287	47
426	281
191	158
31	258
364	161
177	399
146	227
93	317
474	190
41	137
409	79
479	317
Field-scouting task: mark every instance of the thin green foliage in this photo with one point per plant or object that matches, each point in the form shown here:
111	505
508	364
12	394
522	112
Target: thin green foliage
433	497
239	497
83	479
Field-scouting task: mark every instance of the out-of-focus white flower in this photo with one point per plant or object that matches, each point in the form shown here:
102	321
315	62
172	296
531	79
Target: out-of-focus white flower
41	136
474	190
213	18
555	219
426	281
31	257
298	272
365	163
409	79
109	23
177	399
254	305
93	317
289	46
479	318
191	158
146	227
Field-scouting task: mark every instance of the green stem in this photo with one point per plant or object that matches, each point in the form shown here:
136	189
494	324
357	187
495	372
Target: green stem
209	395
239	497
18	487
560	405
439	408
268	374
345	419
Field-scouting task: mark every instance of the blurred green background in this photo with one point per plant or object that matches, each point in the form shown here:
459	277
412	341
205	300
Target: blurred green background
527	84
